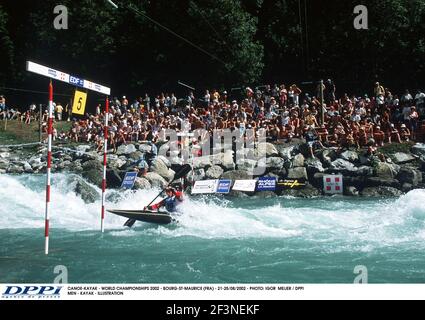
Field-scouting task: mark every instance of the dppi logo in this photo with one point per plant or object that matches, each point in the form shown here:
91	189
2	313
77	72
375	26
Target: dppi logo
41	292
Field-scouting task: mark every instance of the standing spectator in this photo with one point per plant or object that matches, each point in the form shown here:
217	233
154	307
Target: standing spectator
330	92
413	122
378	90
59	110
420	103
407	98
147	102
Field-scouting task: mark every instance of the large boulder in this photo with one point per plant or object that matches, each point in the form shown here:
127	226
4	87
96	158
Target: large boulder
142	184
328	156
214	172
271	150
298	161
161	168
297	173
285	152
386	170
225	160
273	163
156	180
198	174
419	149
236	175
307	192
4	155
93	165
114	178
202	162
93	176
401	158
350	156
313	166
87	193
410	176
365	171
342	166
381	182
377	192
126	149
351	191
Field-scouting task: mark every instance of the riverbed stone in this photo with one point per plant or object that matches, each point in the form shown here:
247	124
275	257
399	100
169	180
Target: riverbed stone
381	192
214	172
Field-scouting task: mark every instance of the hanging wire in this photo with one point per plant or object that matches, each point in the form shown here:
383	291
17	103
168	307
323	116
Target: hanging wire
34	91
176	34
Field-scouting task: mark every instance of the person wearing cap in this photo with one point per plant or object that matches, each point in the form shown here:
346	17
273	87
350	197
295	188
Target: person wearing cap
174	197
404	133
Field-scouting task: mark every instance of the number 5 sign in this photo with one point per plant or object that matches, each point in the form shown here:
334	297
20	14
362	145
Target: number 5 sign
79	105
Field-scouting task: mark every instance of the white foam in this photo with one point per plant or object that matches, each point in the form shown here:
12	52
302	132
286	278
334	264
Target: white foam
353	223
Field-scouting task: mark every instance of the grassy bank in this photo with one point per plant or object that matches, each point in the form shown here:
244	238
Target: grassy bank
16	132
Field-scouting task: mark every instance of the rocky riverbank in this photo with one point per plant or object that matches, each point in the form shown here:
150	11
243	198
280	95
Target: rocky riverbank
363	176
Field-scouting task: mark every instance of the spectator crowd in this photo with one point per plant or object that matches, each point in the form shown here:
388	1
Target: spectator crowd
284	112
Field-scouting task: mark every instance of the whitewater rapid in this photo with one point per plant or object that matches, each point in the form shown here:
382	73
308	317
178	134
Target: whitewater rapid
360	224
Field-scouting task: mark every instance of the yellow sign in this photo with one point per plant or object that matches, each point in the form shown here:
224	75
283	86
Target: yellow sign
80	100
291	184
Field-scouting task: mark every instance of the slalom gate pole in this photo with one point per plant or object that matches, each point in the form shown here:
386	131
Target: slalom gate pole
102	227
49	166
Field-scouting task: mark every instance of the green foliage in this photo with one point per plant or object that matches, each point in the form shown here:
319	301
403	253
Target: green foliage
239	42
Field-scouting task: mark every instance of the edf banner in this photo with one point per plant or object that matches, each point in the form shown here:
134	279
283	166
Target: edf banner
129	179
224	186
266	184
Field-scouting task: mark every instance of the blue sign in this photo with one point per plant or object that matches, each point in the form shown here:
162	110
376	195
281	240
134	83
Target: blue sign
129	180
224	186
266	184
76	81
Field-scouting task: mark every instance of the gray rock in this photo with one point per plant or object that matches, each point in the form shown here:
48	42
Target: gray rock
156	180
142	184
202	162
15	169
4	164
285	152
328	156
350	156
165	160
83	148
297	173
274	163
236	175
118	163
419	149
87	193
161	168
114	178
198	174
381	192
145	148
365	171
298	161
314	165
401	158
224	160
134	156
406	187
126	149
238	194
27	167
410	176
343	166
364	160
214	172
64	165
93	176
2	171
386	170
92	165
381	182
307	192
351	191
271	150
4	155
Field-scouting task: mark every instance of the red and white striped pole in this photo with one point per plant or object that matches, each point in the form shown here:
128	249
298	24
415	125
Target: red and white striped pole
49	166
104	163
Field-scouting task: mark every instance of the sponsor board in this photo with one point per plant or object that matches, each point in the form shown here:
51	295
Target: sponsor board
266	184
65	77
333	184
224	186
129	180
205	187
245	185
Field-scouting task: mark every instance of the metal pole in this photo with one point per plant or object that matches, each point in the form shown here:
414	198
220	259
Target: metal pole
104	164
40	122
49	165
322	113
